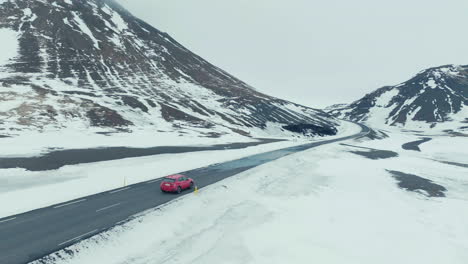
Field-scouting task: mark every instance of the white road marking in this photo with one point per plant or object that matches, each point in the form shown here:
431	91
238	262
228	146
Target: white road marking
154	181
78	237
108	207
70	203
7	220
119	190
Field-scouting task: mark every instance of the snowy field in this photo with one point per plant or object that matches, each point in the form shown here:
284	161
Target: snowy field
324	205
25	190
9	45
32	143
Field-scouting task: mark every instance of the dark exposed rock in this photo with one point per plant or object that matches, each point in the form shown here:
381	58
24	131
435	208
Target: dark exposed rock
170	113
311	130
105	117
371	153
376	154
151	103
415	183
134	103
375	134
80	93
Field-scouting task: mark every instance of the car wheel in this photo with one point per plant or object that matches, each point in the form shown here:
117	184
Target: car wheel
179	190
191	185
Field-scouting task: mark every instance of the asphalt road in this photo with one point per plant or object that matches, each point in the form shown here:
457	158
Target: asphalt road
35	234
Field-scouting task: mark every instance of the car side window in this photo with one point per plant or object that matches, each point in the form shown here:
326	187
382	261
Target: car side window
181	179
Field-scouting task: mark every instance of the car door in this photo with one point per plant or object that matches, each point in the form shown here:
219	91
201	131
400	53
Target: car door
185	183
180	182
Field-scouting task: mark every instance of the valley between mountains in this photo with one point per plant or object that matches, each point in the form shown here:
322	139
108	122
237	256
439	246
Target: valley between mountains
97	107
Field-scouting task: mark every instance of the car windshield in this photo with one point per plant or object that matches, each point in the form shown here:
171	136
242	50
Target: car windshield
168	180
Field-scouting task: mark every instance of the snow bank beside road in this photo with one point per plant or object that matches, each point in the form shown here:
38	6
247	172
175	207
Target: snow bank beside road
33	144
324	205
25	189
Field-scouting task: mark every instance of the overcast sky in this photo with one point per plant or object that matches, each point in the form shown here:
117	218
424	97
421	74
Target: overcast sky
316	52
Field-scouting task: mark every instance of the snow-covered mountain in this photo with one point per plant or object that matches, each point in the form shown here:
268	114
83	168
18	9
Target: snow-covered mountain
434	98
90	64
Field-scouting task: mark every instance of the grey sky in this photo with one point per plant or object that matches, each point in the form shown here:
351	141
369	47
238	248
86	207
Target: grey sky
316	52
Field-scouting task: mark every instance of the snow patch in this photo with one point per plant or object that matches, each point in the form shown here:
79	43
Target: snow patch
432	84
9	45
453	70
382	108
9	105
85	29
119	22
27	12
384	99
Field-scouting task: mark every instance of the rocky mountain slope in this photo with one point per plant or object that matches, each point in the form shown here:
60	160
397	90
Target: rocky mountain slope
90	64
434	98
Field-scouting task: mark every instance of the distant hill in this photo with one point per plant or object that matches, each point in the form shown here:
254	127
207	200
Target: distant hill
434	98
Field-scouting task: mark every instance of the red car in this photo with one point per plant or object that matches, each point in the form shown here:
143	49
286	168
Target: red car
176	183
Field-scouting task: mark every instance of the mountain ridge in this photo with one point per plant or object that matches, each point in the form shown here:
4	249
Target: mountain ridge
435	97
92	64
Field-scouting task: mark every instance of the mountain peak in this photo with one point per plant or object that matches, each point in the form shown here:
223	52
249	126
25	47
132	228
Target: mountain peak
445	70
435	97
84	64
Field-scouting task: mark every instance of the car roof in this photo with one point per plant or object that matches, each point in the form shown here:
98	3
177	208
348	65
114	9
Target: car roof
175	176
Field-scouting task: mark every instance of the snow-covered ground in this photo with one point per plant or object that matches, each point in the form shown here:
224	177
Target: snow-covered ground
31	143
442	147
25	189
9	45
324	205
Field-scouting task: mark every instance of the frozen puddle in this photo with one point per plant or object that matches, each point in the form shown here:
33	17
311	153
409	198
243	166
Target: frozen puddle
418	184
455	164
374	154
414	145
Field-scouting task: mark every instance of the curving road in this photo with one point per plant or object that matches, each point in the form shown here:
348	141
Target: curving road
35	234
